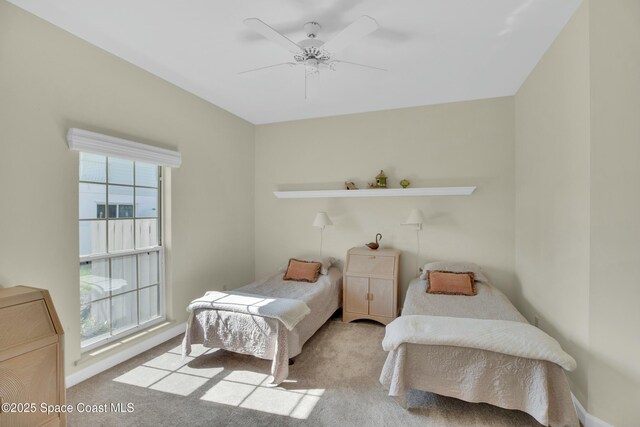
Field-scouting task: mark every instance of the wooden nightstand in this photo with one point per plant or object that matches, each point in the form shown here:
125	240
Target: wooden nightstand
370	288
31	357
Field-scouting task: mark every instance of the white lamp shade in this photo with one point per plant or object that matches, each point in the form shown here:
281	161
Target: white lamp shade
322	220
415	218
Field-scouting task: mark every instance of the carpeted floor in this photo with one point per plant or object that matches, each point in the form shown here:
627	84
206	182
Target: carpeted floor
333	382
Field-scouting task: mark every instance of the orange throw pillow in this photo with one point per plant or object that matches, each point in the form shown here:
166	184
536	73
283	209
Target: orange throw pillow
302	271
447	282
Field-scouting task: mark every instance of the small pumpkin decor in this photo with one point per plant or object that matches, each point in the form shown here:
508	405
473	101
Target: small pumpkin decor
375	245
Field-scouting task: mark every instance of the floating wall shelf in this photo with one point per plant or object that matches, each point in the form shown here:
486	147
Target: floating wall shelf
376	192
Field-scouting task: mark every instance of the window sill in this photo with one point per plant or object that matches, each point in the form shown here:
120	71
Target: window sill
125	342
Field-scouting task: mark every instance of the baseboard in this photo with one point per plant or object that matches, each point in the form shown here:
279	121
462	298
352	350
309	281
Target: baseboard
126	354
586	418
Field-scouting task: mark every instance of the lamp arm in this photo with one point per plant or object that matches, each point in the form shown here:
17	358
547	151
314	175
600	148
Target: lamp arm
418	228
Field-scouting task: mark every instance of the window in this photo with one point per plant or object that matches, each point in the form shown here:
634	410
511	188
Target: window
115	211
121	254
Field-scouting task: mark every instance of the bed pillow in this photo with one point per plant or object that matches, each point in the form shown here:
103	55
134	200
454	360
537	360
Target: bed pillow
446	282
326	262
302	271
454	267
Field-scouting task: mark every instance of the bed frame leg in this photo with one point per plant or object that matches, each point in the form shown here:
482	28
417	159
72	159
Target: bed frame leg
291	362
402	401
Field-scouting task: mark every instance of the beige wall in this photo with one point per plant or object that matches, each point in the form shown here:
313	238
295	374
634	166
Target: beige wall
50	81
556	170
577	202
552	194
468	143
614	375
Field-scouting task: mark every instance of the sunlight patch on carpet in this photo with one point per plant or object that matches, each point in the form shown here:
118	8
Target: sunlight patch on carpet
142	376
180	384
169	373
251	390
228	393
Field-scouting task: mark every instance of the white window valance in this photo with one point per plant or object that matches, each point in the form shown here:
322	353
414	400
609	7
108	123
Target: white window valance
96	143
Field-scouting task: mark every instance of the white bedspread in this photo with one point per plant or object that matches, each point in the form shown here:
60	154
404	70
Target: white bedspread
288	311
264	336
501	336
470	372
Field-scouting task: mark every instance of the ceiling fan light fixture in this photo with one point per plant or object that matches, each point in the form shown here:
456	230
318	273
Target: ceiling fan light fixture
312	66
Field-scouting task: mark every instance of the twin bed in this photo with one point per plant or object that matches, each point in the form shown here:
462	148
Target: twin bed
243	330
478	349
475	348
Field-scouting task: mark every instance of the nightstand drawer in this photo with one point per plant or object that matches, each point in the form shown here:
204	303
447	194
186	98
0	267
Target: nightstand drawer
22	323
371	264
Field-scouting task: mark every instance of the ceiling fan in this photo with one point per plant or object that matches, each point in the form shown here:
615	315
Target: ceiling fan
313	54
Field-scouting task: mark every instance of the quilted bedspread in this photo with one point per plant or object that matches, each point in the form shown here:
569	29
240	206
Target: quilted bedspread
524	380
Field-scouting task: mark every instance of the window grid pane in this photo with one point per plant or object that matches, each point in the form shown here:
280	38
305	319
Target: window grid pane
93	168
93	237
149	303
93	198
118	293
94	280
95	321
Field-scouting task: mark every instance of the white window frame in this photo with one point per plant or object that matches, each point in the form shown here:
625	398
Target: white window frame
109	146
91	343
140	326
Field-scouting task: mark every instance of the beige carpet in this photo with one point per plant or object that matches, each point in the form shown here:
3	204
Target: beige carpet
333	382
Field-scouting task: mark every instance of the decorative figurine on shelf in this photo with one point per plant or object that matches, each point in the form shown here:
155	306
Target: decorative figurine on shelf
405	183
381	181
375	245
350	185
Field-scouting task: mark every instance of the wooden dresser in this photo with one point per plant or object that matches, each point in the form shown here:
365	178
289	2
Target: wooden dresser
31	358
370	288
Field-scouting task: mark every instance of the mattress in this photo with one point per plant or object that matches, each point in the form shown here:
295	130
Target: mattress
489	303
263	337
537	387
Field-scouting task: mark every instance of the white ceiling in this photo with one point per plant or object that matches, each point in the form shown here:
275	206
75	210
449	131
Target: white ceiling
435	51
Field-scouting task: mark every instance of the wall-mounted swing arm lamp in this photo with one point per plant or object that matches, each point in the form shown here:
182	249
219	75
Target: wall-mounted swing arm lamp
321	221
416	219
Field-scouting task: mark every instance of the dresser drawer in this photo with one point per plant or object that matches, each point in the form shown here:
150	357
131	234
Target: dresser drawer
31	358
26	322
30	378
371	265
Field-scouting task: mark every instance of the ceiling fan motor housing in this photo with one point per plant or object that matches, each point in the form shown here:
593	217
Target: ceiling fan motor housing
311	49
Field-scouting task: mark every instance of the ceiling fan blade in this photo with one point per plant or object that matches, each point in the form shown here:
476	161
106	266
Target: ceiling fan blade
283	64
358	29
269	33
359	65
